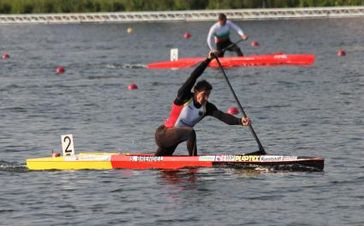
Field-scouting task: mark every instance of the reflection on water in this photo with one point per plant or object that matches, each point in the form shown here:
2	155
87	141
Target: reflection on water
190	176
183	176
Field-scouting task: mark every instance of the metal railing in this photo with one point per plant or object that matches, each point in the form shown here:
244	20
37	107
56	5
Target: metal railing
190	15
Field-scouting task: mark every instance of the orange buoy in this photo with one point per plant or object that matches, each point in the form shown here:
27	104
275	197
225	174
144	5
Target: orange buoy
60	70
341	52
6	56
132	86
233	110
187	35
254	44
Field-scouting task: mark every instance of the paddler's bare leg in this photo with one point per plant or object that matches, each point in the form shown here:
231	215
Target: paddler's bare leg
237	50
219	47
191	144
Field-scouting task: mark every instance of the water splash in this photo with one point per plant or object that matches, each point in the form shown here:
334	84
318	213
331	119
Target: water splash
126	66
13	167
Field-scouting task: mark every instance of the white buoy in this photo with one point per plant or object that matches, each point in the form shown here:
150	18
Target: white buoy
174	54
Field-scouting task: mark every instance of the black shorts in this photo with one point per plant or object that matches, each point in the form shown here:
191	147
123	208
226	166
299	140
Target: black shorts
168	139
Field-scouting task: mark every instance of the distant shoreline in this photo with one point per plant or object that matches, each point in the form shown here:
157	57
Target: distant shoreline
187	15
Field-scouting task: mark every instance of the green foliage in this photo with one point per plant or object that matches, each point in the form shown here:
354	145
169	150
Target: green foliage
118	6
68	6
28	8
5	8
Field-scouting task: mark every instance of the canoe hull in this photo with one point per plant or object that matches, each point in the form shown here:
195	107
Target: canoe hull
273	59
105	161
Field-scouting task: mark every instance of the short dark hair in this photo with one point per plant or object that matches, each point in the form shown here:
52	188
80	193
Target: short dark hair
202	85
222	16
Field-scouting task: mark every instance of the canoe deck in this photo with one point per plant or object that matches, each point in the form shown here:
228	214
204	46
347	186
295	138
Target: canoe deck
104	161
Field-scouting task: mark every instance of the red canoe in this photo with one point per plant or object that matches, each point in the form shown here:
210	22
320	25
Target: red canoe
273	59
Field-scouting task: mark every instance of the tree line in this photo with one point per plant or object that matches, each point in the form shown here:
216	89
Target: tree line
83	6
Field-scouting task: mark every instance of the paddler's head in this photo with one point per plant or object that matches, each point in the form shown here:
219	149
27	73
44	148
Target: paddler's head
202	91
222	19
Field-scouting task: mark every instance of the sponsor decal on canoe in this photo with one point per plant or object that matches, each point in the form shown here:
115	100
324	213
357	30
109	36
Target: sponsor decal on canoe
263	158
70	158
207	158
271	158
224	158
281	56
247	158
146	158
289	158
87	158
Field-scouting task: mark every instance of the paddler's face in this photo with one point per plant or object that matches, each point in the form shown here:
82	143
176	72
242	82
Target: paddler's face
202	96
222	22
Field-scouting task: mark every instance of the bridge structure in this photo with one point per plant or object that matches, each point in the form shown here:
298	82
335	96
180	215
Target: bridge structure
188	15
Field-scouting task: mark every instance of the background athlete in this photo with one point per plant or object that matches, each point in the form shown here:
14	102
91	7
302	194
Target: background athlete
187	110
220	32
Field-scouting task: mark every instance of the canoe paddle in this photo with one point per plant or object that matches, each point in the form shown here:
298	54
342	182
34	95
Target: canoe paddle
261	149
232	44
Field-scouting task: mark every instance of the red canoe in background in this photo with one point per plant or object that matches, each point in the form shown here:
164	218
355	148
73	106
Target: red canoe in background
273	59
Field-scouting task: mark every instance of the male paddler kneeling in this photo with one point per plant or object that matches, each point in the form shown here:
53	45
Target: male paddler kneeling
187	110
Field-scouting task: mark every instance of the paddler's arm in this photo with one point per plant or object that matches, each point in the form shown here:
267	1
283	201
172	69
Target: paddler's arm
185	91
225	117
238	30
210	37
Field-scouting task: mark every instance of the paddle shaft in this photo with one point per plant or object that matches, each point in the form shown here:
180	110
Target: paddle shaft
261	149
231	45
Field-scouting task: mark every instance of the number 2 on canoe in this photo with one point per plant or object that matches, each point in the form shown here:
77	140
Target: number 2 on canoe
67	145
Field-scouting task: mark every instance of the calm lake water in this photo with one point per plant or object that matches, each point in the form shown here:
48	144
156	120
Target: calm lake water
313	111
